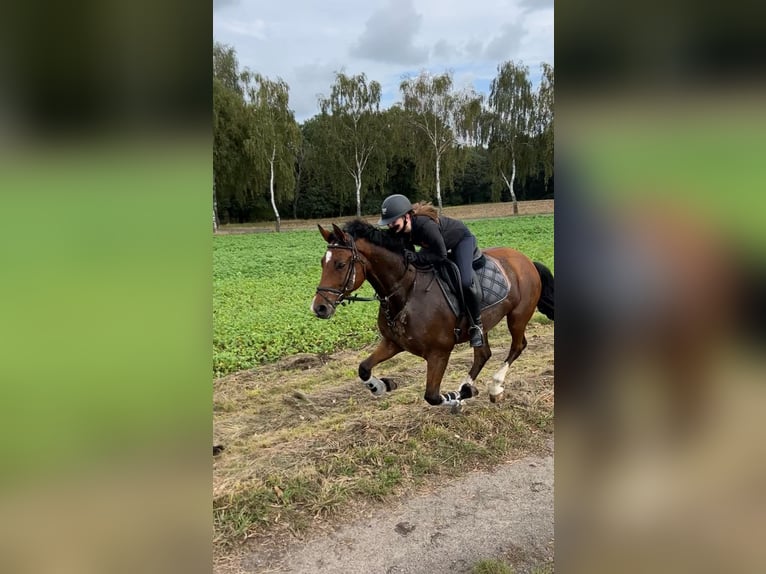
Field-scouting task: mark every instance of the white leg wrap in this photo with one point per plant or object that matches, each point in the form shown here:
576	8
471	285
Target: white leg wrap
376	386
496	386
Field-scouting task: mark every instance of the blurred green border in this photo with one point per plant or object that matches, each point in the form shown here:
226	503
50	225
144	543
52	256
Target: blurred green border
106	300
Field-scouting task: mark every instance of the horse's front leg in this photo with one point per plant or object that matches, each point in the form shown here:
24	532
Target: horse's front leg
384	351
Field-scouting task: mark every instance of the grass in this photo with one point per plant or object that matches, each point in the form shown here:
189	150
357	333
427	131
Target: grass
263	284
502	567
491	567
309	445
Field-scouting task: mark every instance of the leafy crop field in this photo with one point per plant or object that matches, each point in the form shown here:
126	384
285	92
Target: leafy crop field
263	284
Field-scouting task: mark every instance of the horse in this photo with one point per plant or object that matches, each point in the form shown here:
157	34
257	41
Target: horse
416	317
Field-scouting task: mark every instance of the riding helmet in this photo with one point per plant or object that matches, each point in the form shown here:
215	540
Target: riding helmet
394	206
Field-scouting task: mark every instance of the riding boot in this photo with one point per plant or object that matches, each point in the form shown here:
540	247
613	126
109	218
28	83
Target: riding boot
472	298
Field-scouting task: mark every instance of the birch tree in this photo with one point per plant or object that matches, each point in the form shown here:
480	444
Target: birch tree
274	137
443	115
511	104
353	109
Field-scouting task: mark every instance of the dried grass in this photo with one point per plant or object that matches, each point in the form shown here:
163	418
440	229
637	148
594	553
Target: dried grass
305	446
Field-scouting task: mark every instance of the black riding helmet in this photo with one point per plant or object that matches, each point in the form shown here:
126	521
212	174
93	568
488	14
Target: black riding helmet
394	206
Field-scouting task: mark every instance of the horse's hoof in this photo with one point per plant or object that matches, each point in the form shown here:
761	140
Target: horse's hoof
468	391
457	408
391	384
497	398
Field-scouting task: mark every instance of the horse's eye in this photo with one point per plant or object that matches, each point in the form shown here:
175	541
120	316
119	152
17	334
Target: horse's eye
340	265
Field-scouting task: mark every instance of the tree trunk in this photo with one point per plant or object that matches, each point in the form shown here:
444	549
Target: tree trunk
296	193
509	185
215	210
271	188
513	194
438	182
358	181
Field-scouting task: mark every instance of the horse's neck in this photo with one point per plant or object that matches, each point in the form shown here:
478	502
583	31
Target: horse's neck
387	272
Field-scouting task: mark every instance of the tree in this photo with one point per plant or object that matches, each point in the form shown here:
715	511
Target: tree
274	137
355	128
473	184
230	171
542	122
317	172
444	116
509	125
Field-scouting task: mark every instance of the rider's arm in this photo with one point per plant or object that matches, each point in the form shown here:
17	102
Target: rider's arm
433	250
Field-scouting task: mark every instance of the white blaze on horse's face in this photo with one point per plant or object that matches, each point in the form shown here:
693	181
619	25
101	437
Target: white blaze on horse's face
328	257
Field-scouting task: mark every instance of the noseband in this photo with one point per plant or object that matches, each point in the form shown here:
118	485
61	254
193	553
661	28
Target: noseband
348	282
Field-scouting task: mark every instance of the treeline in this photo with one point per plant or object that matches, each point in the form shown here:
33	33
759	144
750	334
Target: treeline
438	144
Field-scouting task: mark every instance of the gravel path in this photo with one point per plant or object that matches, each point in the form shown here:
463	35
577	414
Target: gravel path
505	514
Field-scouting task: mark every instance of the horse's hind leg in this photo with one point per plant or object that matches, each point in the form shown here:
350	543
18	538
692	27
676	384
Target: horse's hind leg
384	351
480	357
518	344
436	365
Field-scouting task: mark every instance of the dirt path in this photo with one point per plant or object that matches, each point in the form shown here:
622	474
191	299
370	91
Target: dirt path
506	514
467	212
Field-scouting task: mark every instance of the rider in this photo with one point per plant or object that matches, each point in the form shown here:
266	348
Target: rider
436	234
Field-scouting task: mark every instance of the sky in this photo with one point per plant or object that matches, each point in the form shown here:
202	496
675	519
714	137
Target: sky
305	42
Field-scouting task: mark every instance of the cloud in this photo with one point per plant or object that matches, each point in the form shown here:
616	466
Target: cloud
505	46
473	49
386	40
312	81
443	50
389	35
252	28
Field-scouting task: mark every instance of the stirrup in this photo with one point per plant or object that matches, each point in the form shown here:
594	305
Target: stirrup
476	334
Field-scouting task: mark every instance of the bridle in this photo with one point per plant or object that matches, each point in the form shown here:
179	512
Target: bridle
344	293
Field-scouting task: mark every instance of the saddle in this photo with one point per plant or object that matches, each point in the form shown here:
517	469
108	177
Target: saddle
494	288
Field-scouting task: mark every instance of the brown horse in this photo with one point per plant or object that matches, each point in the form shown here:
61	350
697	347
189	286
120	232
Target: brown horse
417	318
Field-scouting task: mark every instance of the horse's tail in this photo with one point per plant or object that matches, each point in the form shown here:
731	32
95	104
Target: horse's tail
545	304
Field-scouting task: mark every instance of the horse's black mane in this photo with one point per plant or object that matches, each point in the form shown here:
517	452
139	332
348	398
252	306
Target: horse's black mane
359	229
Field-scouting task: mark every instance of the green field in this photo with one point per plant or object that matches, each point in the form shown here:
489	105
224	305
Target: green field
263	284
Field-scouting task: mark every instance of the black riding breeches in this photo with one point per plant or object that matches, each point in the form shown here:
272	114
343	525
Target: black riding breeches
463	257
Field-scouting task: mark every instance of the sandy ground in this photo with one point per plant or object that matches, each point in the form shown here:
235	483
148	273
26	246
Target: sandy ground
505	514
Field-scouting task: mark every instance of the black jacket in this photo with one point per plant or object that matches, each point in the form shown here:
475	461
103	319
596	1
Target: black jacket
435	239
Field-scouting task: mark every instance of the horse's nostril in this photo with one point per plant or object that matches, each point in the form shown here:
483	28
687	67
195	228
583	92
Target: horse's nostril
320	310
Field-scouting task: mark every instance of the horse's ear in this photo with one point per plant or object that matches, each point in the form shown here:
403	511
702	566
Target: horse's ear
339	234
326	234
